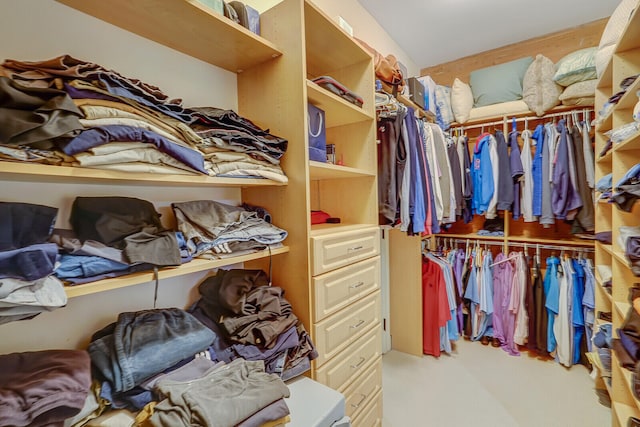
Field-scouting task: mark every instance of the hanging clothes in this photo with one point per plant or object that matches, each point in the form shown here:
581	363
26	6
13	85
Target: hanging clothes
482	175
540	309
585	219
435	306
505	179
537	171
518	296
526	185
517	171
504	319
552	300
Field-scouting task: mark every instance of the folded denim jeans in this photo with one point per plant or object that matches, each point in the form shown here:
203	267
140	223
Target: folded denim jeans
144	343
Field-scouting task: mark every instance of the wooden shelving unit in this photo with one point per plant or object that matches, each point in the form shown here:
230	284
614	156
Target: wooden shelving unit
624	63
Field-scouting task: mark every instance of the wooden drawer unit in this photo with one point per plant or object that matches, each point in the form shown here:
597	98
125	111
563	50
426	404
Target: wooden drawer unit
339	288
361	391
337	332
371	414
350	363
335	250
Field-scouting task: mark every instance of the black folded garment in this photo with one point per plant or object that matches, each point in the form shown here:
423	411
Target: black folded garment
25	224
632	252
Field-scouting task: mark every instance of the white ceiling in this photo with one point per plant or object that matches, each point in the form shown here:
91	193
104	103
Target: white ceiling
435	31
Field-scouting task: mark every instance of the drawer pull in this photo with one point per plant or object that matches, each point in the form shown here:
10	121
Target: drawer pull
357	365
357	405
356	285
357	325
355	248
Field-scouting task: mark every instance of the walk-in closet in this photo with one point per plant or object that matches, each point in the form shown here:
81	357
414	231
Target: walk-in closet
310	213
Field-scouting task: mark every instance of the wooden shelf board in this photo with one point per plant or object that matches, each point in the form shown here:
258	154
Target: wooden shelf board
606	158
607	121
338	111
195	266
530	114
606	248
619	255
186	26
631	143
19	171
419	110
624	412
603	290
319	170
628	380
622	307
328	47
631	33
604	82
629	99
604	202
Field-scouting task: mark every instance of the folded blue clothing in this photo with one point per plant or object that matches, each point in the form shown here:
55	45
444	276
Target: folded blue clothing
71	266
101	135
29	263
605	183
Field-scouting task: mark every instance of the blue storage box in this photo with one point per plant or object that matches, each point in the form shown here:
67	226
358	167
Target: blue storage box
317	134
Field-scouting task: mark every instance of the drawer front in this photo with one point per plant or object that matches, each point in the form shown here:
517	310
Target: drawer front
348	365
361	391
371	414
337	289
337	332
333	251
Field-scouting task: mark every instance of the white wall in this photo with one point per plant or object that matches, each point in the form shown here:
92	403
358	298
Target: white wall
42	29
365	27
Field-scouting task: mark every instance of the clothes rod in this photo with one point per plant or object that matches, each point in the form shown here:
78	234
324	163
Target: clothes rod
506	119
516	244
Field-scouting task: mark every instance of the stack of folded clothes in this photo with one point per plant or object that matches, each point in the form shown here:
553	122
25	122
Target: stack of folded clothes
43	388
602	341
114	236
629	241
253	320
627	189
627	346
214	230
95	117
162	363
27	284
605	186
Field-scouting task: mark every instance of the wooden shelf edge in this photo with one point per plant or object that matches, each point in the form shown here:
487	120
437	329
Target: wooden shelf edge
628	143
18	171
629	99
606	158
316	93
322	229
622	307
320	170
607	248
186	26
195	266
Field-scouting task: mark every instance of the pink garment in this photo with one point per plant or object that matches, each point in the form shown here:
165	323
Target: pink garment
504	320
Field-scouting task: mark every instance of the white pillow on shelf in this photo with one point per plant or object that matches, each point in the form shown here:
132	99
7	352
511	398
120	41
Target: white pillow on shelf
539	90
461	100
612	33
583	89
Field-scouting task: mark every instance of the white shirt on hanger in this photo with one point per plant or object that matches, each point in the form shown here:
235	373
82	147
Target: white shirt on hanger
492	210
526	183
